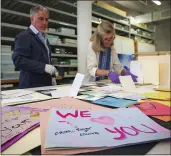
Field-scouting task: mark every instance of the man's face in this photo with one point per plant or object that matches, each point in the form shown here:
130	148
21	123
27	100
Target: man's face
40	21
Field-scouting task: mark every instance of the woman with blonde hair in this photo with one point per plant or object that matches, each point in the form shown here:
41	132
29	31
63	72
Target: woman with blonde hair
102	60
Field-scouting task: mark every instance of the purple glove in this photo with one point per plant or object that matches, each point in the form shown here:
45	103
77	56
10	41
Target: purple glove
113	77
134	77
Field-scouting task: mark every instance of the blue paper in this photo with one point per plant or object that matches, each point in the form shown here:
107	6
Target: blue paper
114	102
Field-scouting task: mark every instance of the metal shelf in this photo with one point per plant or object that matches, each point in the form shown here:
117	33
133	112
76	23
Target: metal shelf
9	16
115	28
25	6
133	25
99	15
64	45
109	13
63	55
69	76
13	28
62	65
10	39
54	13
142	36
7	39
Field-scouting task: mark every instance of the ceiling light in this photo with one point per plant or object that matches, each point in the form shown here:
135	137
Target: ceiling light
157	2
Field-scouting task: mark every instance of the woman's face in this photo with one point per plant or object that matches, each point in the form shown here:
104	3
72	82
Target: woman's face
107	39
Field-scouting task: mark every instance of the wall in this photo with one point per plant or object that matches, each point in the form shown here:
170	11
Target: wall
162	36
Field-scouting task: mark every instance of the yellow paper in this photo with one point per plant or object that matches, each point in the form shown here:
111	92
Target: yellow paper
158	95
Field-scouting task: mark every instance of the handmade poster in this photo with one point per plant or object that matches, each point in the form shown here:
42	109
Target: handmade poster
153	108
114	102
16	122
69	128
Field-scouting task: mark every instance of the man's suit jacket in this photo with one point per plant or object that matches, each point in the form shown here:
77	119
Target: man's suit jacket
30	56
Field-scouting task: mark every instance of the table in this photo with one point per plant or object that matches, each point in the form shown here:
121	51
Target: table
32	139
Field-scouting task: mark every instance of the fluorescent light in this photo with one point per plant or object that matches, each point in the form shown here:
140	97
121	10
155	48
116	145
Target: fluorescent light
157	2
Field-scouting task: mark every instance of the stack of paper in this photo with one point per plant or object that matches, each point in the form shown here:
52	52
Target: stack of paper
78	129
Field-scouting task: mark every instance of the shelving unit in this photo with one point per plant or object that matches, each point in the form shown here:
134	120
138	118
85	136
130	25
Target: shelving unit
122	24
15	18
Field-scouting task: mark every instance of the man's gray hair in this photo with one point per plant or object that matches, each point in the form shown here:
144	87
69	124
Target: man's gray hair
34	10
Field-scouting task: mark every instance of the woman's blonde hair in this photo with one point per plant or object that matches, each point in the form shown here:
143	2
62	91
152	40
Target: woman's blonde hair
105	27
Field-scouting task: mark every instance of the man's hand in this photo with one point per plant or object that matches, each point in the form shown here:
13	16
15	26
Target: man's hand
50	69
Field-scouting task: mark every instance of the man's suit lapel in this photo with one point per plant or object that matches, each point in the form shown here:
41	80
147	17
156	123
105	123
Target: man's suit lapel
35	35
45	53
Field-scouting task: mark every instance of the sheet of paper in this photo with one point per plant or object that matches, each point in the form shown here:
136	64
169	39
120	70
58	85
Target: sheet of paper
68	128
16	122
150	69
152	108
163	118
114	102
136	69
158	95
21	96
127	83
141	90
76	85
121	94
65	102
135	97
62	92
88	97
102	93
109	88
164	88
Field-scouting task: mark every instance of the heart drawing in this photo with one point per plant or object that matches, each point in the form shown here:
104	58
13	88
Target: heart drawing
106	120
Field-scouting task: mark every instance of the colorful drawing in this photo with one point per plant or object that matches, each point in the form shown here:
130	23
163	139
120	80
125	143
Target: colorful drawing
153	108
68	128
16	122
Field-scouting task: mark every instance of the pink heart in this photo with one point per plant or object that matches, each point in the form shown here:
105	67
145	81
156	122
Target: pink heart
106	120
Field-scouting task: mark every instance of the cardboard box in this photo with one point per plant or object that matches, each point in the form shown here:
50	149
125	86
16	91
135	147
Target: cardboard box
111	8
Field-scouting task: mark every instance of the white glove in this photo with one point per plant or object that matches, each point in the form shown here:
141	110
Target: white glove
54	81
50	69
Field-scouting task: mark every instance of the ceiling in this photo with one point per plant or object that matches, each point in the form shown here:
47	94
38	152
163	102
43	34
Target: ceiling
138	7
